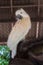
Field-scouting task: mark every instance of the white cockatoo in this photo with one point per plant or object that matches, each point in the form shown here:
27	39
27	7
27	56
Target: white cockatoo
19	31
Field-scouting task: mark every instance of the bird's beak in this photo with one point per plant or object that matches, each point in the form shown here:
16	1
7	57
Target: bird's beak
19	17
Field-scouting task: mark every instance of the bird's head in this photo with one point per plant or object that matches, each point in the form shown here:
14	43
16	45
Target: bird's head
21	14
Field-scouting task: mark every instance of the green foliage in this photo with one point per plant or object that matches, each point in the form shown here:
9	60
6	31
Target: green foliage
4	55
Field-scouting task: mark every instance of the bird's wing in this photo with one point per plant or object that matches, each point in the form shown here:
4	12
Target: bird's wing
17	33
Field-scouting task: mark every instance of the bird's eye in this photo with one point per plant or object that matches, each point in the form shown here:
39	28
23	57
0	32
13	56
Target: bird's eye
21	12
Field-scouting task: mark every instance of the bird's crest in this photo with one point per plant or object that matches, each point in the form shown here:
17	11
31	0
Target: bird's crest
21	12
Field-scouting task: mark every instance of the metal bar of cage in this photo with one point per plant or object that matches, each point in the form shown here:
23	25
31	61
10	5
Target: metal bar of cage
14	20
34	33
19	6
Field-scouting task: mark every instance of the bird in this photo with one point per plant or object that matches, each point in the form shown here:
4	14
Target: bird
19	30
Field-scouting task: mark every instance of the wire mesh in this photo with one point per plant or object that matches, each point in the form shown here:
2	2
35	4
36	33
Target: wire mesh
7	10
5	29
25	2
5	13
34	6
4	2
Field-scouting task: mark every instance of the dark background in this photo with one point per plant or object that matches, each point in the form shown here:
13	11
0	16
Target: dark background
7	17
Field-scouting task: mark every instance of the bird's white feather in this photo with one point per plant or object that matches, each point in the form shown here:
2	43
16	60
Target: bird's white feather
19	31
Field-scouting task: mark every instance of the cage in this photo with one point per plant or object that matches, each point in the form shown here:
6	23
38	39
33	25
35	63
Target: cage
7	13
7	17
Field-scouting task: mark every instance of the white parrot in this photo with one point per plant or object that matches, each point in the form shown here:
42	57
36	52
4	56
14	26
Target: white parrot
19	31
